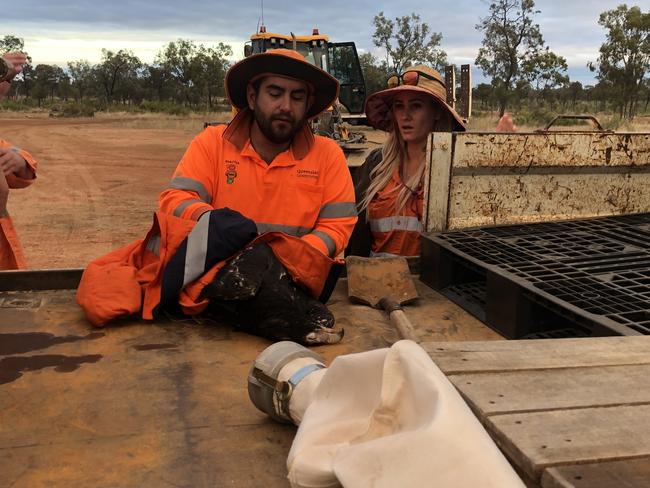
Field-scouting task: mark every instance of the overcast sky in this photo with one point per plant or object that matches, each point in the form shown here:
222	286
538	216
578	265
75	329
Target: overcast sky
56	32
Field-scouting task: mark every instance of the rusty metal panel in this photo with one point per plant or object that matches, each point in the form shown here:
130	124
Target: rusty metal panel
525	150
510	199
535	177
465	109
450	84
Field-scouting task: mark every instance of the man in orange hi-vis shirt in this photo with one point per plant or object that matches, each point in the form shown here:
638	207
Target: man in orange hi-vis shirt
267	164
17	170
253	220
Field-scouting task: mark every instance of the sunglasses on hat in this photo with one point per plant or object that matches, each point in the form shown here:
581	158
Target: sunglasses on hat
411	78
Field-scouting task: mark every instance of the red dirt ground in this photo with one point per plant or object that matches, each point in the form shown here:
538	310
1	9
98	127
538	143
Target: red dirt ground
98	182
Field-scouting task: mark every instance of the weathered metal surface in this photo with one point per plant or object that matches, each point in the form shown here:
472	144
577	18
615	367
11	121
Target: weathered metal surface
465	105
510	199
372	279
523	177
525	150
157	403
450	84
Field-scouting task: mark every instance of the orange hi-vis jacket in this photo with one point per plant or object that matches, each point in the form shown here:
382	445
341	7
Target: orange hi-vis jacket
392	232
305	192
303	208
179	257
11	252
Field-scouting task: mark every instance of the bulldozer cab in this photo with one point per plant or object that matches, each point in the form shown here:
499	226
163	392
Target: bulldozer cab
345	67
340	59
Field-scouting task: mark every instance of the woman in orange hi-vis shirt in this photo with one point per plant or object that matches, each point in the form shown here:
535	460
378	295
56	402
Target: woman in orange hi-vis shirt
17	170
389	185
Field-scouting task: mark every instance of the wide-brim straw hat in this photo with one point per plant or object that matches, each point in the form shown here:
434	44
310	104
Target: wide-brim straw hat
378	105
281	62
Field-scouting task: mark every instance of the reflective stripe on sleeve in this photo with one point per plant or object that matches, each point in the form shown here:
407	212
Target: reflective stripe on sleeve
401	222
292	230
197	249
338	210
178	211
153	245
184	183
329	242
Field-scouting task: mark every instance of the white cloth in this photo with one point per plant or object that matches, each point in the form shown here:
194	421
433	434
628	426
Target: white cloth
390	418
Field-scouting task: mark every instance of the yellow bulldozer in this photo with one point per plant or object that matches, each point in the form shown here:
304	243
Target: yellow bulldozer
340	59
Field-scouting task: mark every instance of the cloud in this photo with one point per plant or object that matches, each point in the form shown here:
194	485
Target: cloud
60	31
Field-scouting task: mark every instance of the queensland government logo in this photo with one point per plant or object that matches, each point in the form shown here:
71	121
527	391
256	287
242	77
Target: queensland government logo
231	171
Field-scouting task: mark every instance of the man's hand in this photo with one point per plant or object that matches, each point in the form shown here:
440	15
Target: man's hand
17	60
506	124
4	195
13	163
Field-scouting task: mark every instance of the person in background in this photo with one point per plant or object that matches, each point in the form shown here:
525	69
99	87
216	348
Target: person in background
17	170
389	185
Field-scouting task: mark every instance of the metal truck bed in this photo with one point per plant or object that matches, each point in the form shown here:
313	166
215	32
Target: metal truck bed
153	404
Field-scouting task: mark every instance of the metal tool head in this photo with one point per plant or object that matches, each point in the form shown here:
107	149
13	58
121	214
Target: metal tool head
372	279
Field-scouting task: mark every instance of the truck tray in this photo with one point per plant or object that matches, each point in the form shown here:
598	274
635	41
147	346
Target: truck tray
587	277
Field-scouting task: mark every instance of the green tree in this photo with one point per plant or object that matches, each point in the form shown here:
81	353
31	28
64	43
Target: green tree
624	58
197	71
46	81
213	64
374	72
81	77
181	60
408	41
115	71
483	92
575	92
513	49
11	43
157	81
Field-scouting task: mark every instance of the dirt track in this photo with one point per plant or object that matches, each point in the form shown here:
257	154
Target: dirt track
98	182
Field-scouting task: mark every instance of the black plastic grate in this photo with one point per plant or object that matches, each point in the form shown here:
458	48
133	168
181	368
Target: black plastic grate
601	266
556	334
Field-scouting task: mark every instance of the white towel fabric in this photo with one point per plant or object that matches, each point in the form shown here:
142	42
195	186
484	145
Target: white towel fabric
390	418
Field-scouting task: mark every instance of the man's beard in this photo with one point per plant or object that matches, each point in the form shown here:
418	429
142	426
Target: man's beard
276	134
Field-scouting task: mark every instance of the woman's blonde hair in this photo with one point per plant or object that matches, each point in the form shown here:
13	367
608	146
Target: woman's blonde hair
393	154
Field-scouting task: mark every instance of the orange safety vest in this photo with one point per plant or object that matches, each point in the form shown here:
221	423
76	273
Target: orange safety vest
305	192
394	233
11	252
302	204
130	280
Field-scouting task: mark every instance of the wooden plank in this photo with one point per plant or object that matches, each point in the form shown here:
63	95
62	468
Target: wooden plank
630	473
437	182
476	357
535	441
529	391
